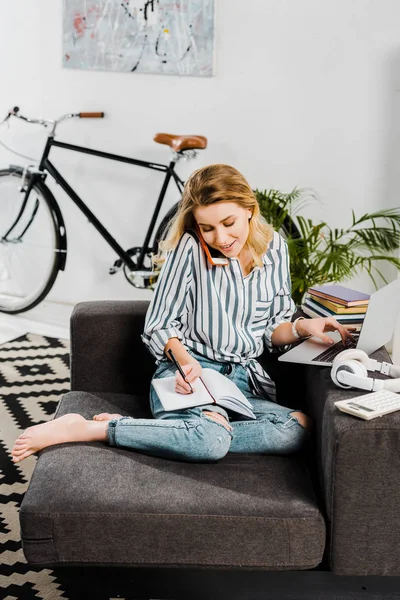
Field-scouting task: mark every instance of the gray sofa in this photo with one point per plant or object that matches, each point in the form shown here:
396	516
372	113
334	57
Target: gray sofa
329	511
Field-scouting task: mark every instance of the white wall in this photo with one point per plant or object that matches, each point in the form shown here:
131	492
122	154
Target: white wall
304	94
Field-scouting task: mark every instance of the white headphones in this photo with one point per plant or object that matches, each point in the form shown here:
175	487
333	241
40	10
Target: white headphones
350	369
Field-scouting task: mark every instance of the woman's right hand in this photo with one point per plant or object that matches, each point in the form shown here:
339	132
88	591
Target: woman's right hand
192	371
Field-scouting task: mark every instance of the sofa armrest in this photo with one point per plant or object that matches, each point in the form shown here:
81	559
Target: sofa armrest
359	466
107	353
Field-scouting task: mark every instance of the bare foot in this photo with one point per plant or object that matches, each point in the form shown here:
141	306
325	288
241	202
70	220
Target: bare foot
69	428
106	417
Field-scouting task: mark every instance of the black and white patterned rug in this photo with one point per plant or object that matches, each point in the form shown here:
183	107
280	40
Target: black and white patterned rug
34	374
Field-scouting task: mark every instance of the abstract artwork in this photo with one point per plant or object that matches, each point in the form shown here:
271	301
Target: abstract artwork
143	36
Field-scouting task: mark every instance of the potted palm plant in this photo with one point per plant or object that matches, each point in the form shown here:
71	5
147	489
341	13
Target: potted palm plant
320	254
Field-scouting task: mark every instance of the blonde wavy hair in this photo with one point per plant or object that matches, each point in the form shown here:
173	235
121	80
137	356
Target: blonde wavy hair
217	183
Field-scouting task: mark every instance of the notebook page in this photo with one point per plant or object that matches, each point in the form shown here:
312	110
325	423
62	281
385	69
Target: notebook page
220	386
171	400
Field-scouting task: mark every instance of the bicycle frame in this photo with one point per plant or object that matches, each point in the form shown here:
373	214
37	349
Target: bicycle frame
47	166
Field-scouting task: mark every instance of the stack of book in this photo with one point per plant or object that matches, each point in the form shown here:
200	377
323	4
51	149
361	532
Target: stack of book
344	304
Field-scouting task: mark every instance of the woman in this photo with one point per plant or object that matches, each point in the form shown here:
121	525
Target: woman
219	317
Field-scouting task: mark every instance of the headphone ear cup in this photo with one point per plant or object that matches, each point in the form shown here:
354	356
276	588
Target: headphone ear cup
351	366
352	354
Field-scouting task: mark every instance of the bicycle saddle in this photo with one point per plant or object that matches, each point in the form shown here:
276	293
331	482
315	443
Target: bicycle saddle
181	142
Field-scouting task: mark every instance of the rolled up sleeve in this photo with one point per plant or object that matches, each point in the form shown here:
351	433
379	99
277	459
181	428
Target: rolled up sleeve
169	303
282	307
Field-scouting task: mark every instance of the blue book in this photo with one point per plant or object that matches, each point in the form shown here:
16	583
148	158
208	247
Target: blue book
340	294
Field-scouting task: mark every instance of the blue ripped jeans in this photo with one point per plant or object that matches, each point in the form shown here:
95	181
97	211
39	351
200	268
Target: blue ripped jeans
191	435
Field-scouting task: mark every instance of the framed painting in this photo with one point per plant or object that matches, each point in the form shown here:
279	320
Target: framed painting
143	36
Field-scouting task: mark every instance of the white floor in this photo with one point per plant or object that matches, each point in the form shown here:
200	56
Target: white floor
50	319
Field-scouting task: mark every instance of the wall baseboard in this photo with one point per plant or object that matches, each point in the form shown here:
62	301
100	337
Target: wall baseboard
49	318
52	313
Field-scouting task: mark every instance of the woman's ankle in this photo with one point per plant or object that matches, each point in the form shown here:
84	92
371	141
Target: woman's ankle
97	431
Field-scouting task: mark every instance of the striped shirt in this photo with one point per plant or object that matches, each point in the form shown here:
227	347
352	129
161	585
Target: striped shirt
217	311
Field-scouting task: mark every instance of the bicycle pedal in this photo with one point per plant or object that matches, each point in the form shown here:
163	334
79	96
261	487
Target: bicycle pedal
117	266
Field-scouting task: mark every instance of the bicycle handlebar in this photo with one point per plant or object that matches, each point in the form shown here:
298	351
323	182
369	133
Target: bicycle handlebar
91	115
14	112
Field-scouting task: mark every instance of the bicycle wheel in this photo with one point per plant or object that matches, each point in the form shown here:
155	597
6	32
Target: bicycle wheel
31	246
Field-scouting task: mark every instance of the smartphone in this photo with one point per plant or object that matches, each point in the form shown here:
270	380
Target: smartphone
214	257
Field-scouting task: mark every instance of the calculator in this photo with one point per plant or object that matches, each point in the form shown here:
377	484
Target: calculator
371	405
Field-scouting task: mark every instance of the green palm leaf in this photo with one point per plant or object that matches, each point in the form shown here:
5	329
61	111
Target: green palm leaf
322	254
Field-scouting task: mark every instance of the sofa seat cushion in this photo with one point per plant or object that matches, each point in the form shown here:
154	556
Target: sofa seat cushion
99	505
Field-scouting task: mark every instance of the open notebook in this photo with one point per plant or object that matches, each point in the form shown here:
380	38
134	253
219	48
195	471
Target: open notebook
211	388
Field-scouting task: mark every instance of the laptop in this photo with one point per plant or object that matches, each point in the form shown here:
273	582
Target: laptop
376	331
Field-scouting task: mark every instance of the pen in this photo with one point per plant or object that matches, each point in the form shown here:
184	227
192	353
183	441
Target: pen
178	366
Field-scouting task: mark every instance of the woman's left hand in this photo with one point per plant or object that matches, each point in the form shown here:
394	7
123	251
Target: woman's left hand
319	325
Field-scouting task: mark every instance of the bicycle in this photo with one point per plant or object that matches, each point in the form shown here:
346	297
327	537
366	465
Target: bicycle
33	236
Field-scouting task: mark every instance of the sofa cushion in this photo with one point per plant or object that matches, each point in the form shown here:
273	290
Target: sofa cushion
100	505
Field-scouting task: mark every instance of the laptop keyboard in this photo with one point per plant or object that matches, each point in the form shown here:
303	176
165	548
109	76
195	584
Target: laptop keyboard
330	353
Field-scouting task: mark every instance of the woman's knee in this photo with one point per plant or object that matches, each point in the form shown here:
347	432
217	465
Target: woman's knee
303	420
298	434
213	441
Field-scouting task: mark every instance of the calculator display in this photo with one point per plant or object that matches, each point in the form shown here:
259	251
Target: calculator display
362	407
